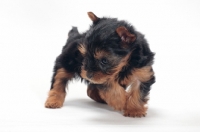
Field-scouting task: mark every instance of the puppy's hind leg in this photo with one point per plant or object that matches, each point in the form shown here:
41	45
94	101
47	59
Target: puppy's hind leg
57	93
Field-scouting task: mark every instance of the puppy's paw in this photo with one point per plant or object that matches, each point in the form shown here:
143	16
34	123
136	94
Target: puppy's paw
54	101
135	113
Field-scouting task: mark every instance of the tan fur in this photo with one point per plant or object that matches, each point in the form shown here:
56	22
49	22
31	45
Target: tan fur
62	73
55	99
143	74
82	49
83	73
135	107
98	77
115	96
100	54
58	93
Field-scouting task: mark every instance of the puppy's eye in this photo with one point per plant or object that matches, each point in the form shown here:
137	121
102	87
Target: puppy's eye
104	61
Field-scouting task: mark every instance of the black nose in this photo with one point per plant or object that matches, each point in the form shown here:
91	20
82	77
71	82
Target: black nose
89	75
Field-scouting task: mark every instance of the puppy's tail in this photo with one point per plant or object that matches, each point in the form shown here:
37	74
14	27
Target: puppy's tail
73	32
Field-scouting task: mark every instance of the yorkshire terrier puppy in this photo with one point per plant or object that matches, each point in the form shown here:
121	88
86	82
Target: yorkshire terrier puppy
114	60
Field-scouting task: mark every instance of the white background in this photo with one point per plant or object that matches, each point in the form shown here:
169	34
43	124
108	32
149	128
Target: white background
32	33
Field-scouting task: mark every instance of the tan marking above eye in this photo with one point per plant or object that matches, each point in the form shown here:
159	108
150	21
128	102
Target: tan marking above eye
100	54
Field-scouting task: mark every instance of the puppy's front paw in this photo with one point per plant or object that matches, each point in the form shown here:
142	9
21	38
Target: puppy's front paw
55	101
135	113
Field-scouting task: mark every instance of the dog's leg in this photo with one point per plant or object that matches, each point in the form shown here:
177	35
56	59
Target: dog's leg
57	93
93	93
135	107
114	95
137	95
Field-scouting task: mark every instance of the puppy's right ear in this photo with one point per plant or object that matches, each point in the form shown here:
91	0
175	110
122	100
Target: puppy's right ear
93	17
125	35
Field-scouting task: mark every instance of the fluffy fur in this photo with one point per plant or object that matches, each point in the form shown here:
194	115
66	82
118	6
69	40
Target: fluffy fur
109	57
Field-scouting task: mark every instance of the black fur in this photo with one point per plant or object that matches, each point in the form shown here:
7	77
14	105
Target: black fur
102	35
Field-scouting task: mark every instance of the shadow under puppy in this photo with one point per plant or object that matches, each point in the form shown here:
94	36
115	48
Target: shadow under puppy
111	57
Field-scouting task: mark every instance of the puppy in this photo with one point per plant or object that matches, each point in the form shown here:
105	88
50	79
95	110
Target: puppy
113	59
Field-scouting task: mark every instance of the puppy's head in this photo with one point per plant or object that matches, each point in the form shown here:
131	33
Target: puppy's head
106	49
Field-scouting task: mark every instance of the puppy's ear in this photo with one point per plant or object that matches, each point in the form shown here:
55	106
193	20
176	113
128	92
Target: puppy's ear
125	35
93	17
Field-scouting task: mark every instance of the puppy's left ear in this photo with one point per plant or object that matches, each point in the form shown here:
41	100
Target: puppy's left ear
93	17
125	35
